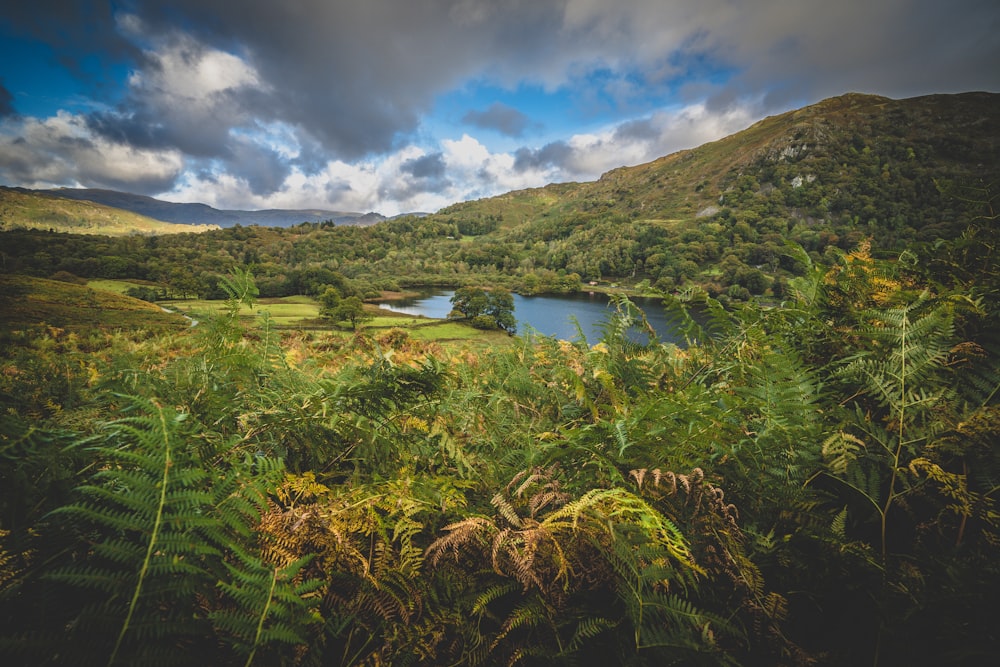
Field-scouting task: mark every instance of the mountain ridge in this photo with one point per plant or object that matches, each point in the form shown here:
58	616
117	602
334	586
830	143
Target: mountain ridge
203	214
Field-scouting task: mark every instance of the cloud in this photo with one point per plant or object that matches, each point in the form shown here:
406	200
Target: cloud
263	170
427	166
556	154
187	97
500	117
321	102
587	156
416	176
62	151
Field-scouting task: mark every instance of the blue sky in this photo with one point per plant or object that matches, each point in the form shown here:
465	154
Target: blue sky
410	105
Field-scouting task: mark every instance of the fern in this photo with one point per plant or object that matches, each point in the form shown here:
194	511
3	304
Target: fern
143	497
906	380
586	630
158	521
256	620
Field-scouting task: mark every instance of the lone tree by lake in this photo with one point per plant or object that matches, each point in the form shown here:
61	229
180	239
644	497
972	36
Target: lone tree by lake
335	308
493	309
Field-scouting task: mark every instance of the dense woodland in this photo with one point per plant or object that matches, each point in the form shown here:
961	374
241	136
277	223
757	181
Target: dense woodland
811	479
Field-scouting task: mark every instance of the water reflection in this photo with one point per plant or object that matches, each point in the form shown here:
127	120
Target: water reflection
548	314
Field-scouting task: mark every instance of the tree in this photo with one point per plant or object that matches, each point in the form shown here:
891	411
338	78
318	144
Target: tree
500	307
485	310
329	299
468	302
352	310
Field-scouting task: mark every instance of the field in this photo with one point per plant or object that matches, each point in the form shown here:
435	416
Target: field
302	312
27	303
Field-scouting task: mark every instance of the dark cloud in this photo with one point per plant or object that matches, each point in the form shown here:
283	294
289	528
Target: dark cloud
264	170
428	166
556	154
6	102
500	117
426	174
336	189
641	129
358	75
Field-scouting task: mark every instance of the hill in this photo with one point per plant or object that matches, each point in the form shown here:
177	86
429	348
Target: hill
856	169
202	214
824	149
27	209
29	302
829	175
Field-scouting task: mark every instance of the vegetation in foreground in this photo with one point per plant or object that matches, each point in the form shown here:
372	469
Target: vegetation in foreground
811	484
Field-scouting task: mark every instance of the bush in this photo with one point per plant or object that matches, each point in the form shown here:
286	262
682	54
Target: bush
484	322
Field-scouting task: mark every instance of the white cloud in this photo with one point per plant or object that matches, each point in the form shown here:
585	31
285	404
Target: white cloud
63	151
471	170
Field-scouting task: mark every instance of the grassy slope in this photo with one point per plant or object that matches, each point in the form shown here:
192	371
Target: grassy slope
32	211
26	302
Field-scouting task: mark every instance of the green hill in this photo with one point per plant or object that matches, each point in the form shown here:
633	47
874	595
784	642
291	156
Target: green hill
830	146
22	209
850	167
27	302
895	174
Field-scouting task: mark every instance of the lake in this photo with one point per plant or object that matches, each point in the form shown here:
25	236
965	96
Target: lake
548	314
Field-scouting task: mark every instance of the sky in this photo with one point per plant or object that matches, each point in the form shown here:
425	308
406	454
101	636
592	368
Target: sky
399	106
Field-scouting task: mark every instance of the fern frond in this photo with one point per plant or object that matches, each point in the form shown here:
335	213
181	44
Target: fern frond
269	607
491	594
588	629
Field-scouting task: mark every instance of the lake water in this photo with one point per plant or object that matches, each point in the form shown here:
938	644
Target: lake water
549	314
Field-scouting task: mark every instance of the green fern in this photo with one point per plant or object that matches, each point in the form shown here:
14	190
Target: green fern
158	520
256	620
138	502
904	375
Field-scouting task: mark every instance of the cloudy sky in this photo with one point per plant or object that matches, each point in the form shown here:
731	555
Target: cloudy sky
410	105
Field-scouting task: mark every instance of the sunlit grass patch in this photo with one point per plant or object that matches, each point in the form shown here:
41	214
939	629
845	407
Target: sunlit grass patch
119	286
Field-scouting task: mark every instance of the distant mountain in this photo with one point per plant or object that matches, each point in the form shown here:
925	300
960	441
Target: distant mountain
202	214
29	209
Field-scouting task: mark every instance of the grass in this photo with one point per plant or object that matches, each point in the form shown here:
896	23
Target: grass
302	312
119	286
445	330
291	312
382	321
28	302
